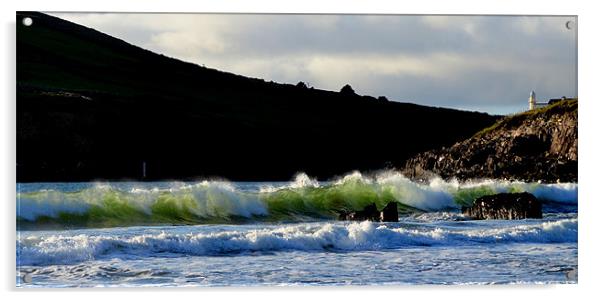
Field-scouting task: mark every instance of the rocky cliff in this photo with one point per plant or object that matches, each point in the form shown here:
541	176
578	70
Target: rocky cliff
535	145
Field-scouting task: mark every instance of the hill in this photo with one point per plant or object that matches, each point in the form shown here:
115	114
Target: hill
535	145
90	106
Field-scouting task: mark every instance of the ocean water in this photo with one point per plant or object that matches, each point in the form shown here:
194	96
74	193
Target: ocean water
218	233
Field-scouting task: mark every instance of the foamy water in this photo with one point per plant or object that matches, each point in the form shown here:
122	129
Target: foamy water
283	233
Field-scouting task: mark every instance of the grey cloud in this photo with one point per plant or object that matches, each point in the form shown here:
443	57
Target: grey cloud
474	62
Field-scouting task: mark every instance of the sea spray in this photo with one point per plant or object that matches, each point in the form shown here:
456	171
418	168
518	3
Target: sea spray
48	248
111	204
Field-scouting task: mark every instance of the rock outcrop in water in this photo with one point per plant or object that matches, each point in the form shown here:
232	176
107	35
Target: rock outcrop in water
389	213
506	206
371	213
535	145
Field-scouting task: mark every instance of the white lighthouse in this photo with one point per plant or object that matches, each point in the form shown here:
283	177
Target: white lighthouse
532	101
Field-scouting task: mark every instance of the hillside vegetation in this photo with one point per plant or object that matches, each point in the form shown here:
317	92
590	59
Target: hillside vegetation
535	145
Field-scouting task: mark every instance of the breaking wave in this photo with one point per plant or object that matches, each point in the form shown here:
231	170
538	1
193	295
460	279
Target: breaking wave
59	249
303	199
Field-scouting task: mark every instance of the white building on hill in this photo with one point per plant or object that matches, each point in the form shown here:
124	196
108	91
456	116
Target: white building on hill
533	104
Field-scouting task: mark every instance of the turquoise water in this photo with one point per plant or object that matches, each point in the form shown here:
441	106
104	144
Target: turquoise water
218	233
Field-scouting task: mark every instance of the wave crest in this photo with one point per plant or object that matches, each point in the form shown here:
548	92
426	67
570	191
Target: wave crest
59	249
303	198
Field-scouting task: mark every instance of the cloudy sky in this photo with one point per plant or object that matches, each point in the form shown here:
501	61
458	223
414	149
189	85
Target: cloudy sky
484	63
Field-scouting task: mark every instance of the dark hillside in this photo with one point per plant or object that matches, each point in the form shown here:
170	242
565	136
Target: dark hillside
90	106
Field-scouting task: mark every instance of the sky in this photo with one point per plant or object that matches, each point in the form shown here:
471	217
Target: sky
482	63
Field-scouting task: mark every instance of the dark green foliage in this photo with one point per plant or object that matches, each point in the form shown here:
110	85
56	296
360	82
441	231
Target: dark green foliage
512	121
302	85
347	90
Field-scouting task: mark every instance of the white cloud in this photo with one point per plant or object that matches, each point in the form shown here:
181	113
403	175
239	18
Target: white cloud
454	61
186	44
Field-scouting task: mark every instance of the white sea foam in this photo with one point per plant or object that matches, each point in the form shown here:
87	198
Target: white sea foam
61	249
558	192
429	197
48	203
205	200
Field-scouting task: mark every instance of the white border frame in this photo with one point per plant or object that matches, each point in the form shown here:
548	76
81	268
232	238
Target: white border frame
589	146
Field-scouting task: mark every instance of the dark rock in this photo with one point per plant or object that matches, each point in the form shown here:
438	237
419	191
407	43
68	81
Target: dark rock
371	213
389	213
528	145
506	206
532	146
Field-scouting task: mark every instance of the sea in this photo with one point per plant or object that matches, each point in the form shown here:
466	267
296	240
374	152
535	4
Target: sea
221	233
